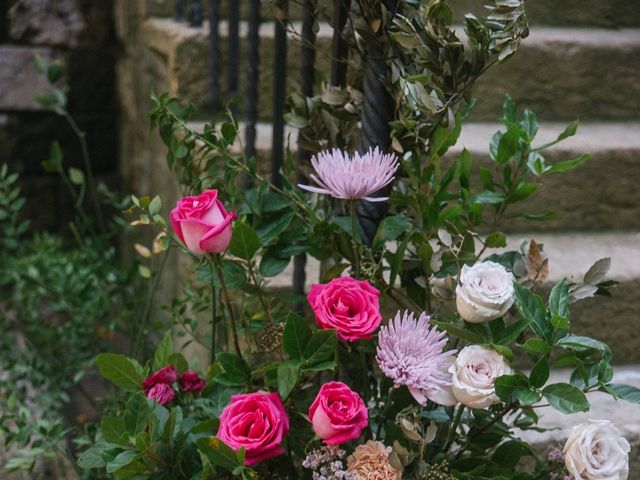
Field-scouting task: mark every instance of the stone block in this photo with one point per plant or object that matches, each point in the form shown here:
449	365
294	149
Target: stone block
43	22
20	81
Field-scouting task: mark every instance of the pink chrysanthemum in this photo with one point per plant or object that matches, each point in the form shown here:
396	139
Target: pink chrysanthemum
352	178
410	352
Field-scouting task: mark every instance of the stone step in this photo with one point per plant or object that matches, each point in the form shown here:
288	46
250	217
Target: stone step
622	414
613	320
612	13
560	73
601	194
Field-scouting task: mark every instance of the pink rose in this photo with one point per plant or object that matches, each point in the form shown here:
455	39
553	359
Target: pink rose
338	414
162	393
166	375
256	421
350	306
202	223
191	382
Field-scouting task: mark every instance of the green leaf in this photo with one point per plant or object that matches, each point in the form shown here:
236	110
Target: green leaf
122	460
218	452
288	373
506	386
136	414
178	361
566	398
531	307
568	165
579	343
626	392
536	345
124	372
512	332
272	265
235	368
489	197
155	206
462	333
76	176
92	458
112	428
509	110
163	352
523	191
173	425
391	228
244	242
321	347
540	373
559	299
507	146
270	231
297	335
496	240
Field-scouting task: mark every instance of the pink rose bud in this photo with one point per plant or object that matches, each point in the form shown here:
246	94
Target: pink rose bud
166	375
256	421
162	393
350	306
191	382
202	223
338	414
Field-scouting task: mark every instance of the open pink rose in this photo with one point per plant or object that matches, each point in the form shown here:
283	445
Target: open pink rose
202	223
350	306
162	393
338	414
166	375
191	382
256	421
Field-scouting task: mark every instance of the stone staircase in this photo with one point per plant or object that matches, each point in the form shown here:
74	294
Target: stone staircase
582	60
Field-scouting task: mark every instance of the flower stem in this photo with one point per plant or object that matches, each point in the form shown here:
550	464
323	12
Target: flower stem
383	413
454	427
365	375
217	265
213	321
354	236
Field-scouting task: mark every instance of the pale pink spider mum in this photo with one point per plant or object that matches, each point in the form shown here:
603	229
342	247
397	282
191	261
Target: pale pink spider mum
352	178
411	352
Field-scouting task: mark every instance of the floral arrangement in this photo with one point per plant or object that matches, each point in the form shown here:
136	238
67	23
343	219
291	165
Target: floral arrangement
381	383
424	347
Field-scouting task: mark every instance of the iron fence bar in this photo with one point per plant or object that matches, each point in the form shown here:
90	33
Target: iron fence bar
307	81
377	113
196	13
214	54
253	78
279	91
233	65
339	46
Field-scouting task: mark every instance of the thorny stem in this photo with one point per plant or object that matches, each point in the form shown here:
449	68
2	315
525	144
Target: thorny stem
216	262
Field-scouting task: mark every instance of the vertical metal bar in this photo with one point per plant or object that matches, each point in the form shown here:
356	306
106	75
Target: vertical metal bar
253	78
279	91
214	54
233	65
180	16
377	113
307	80
196	13
339	46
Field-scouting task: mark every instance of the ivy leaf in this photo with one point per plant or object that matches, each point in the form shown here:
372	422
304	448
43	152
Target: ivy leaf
566	398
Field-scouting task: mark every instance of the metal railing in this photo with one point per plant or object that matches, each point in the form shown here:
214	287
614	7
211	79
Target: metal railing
377	107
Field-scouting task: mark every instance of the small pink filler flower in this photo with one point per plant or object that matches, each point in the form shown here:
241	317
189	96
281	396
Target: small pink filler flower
352	178
410	352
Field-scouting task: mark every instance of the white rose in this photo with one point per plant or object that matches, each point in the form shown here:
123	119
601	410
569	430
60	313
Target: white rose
474	373
485	292
595	450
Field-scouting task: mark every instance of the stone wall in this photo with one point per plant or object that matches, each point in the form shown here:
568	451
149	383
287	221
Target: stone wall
80	34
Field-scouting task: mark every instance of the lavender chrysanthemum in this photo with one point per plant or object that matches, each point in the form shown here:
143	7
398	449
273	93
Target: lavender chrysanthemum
411	352
352	178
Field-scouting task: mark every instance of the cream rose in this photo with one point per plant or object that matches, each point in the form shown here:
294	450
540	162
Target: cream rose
485	292
595	450
473	376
